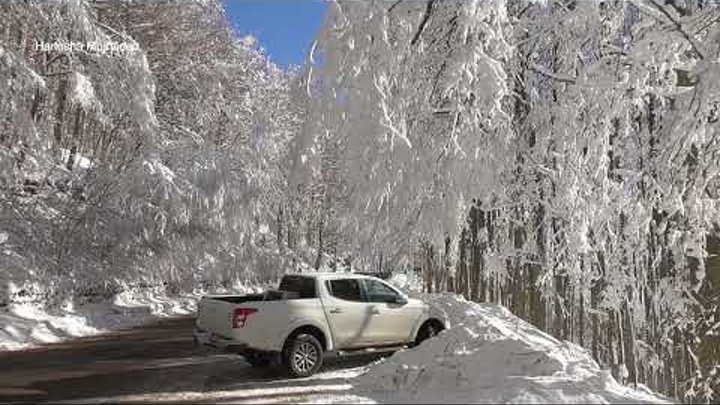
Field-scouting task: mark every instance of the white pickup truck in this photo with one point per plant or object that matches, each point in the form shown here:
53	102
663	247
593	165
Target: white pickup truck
311	315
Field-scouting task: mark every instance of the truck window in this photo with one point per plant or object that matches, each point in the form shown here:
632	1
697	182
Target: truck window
379	292
303	286
345	289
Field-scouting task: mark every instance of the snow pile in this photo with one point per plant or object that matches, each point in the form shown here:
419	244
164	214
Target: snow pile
409	282
490	355
28	324
24	325
80	162
83	93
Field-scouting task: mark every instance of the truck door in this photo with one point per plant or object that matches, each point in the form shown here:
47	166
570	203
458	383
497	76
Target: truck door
348	313
393	317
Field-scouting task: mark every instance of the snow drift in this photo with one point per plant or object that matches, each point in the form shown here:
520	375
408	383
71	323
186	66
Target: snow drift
26	324
488	355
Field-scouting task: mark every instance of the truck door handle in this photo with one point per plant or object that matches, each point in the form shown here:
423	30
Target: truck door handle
375	311
335	311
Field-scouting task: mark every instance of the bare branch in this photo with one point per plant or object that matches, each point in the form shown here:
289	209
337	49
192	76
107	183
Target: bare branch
677	25
424	21
393	6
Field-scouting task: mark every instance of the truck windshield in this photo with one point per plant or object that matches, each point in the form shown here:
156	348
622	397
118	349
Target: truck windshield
303	286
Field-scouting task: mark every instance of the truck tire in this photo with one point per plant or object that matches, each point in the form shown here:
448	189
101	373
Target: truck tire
427	330
302	355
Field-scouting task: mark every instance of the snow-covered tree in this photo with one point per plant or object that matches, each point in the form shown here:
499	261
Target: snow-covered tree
160	165
566	148
404	101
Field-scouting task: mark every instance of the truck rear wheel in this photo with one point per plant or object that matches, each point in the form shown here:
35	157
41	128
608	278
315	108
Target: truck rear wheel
302	355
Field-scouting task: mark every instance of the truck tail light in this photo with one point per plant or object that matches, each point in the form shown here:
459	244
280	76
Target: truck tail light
241	316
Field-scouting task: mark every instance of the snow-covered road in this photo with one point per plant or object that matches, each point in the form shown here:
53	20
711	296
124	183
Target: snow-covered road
158	364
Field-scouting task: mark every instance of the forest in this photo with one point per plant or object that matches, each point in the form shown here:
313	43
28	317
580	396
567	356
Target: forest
558	157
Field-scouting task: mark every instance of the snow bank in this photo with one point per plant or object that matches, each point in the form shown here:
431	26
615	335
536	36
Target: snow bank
490	355
26	325
408	282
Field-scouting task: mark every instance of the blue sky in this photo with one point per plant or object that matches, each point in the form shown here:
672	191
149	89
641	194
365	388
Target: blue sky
284	28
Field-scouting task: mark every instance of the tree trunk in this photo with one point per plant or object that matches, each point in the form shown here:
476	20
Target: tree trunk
60	110
318	259
278	231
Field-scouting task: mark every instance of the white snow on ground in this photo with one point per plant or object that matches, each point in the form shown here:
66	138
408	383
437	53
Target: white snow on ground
27	325
314	394
325	387
488	355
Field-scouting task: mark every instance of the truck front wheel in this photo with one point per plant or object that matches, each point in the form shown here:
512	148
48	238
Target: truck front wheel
429	329
302	355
